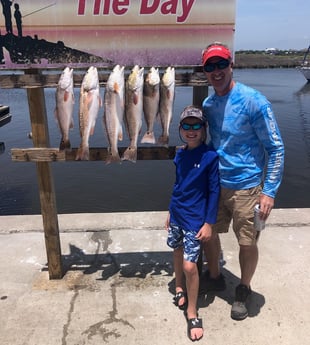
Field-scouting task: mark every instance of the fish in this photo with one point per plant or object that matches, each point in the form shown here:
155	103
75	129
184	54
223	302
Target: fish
90	102
167	95
133	110
113	117
150	104
64	107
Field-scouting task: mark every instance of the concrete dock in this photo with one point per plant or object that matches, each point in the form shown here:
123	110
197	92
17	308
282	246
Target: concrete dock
118	284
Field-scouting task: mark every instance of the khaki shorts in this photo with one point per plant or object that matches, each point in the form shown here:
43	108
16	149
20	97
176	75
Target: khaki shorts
238	206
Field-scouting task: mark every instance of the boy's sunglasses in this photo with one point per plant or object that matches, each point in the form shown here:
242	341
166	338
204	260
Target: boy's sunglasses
194	127
210	67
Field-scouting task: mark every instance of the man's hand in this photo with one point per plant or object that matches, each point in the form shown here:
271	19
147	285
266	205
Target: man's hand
266	204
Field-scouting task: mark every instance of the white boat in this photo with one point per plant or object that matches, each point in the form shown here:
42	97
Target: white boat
5	115
305	66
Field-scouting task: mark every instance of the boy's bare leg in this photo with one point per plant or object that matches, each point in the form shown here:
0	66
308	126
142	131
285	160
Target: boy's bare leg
178	271
192	286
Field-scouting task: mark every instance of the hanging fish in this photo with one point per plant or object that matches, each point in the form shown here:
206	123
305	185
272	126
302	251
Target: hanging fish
114	104
90	102
133	111
150	104
167	95
64	106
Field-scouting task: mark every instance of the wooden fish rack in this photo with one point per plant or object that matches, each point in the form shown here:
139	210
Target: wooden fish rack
34	81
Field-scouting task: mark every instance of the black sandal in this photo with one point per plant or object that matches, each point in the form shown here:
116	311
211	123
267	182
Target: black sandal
177	297
193	323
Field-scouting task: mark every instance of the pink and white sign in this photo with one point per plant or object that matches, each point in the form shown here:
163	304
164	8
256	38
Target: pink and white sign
107	32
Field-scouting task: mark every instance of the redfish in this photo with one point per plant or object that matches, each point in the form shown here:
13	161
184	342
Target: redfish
90	102
133	111
150	103
113	117
167	95
64	106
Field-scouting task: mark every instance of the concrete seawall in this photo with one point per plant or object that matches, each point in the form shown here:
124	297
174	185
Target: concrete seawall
118	284
131	220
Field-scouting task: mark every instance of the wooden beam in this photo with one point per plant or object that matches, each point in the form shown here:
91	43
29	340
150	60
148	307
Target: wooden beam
38	117
95	154
11	81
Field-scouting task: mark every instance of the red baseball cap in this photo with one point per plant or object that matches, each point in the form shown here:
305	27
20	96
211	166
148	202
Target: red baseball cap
216	50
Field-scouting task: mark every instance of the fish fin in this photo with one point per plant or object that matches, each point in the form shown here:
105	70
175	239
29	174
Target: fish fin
116	87
88	100
168	94
66	96
120	135
92	130
56	116
148	138
130	154
71	123
82	154
157	118
135	99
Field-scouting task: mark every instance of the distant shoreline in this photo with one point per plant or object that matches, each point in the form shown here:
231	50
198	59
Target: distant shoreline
263	60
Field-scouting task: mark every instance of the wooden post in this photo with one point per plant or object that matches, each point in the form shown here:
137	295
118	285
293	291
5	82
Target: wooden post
199	92
40	137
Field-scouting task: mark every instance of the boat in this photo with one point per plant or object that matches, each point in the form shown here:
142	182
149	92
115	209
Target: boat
5	116
305	66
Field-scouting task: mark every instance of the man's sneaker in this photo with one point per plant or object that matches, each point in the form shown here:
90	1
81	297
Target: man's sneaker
239	310
212	284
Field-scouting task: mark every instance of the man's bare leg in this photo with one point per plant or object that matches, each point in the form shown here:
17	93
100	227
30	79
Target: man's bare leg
248	258
212	250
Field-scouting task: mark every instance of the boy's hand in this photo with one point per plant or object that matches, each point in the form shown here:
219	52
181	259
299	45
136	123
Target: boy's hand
205	232
167	222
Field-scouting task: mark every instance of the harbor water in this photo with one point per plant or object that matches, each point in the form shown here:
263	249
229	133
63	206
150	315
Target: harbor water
146	185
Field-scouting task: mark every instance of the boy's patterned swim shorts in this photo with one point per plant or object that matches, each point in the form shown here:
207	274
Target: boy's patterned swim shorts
178	237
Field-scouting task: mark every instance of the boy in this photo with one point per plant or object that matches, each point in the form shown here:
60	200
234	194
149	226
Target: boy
192	210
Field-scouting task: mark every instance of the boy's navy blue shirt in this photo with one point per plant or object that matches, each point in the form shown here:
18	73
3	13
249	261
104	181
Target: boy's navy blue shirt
196	190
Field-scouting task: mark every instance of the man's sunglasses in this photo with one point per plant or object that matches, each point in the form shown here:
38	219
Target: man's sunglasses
194	127
210	67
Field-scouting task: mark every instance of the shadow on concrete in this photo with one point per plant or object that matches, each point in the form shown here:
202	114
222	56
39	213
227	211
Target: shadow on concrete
127	265
142	264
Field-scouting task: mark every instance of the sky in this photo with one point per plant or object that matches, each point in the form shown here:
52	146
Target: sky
281	24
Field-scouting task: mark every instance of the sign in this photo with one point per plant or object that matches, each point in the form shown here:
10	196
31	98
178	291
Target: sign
45	33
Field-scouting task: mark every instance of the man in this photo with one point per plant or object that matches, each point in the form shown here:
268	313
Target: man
6	10
246	137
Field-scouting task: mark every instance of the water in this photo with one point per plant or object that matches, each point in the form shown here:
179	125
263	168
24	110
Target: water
146	185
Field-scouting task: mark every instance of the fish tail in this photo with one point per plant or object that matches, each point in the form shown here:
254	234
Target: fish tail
82	154
148	138
163	140
64	144
130	154
113	158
